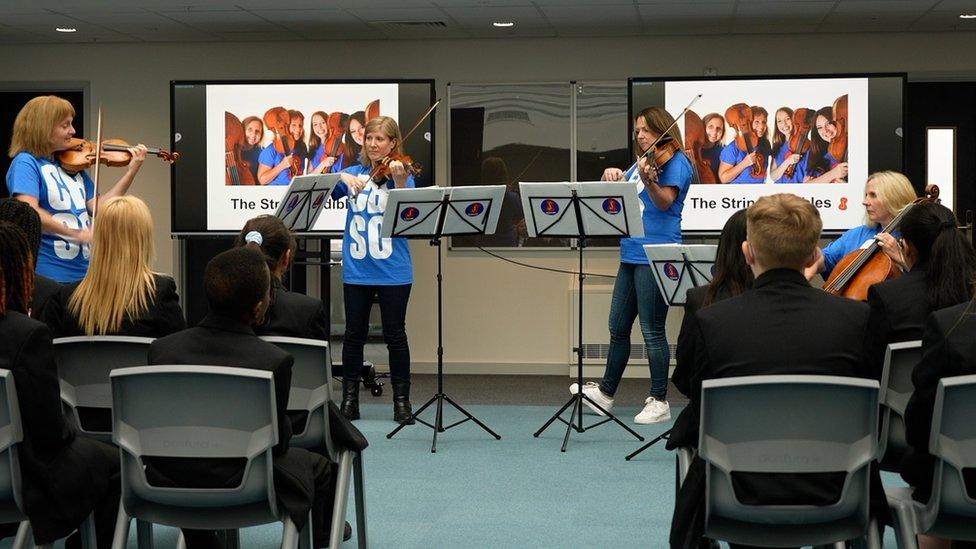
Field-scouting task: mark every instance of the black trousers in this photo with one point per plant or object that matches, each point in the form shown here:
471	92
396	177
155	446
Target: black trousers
393	313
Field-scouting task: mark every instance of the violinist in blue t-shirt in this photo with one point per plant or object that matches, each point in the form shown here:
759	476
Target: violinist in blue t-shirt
783	155
821	166
321	160
739	165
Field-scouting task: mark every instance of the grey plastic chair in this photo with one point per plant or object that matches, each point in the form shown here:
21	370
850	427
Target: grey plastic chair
198	412
788	424
896	388
11	434
311	391
951	510
84	364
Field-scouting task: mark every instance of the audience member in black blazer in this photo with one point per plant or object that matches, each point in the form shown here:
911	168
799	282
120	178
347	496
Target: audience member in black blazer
731	277
942	267
766	330
237	284
118	297
64	477
22	215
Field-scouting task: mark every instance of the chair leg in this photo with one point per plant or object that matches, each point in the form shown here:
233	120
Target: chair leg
232	539
289	535
121	537
875	532
343	472
144	534
87	533
360	487
180	541
904	532
306	537
23	538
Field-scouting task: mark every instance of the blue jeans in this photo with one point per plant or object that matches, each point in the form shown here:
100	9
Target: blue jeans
635	294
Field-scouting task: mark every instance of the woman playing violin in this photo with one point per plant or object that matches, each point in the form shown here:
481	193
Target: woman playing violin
737	165
885	195
375	266
64	200
319	161
635	294
253	133
821	166
714	132
783	157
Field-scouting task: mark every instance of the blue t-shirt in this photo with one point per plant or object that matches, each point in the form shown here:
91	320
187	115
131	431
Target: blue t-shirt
319	155
271	158
847	243
660	227
63	196
368	259
800	170
732	155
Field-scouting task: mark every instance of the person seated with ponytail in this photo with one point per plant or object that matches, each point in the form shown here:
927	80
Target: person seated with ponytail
120	295
941	269
22	215
290	314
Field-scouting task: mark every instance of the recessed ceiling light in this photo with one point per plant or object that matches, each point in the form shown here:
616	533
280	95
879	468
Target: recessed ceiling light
968	16
503	24
66	29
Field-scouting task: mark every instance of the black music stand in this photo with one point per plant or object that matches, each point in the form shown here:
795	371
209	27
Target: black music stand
581	210
677	268
434	212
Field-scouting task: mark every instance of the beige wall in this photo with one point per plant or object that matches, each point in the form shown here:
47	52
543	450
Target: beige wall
495	312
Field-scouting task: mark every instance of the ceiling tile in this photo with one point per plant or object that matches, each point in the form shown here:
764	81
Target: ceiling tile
694	12
483	17
879	7
784	9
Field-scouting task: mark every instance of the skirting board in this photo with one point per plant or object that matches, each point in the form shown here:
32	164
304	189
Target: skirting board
508	369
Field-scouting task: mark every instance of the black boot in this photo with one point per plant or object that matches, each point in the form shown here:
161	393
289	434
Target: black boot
402	413
350	399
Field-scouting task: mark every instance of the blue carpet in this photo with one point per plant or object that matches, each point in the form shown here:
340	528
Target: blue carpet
519	491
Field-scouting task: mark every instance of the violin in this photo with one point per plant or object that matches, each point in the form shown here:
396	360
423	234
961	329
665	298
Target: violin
838	145
739	116
695	140
863	268
337	124
803	121
115	152
372	110
237	170
661	152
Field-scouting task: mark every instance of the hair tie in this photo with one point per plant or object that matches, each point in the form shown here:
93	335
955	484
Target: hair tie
254	237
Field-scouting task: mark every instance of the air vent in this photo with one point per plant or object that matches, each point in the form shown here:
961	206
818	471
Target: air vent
410	24
509	116
599	351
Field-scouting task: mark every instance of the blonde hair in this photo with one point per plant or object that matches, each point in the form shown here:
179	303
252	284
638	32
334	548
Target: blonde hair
119	283
783	230
893	189
388	127
35	123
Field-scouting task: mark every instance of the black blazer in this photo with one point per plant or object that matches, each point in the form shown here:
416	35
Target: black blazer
898	309
163	317
766	330
44	289
294	315
63	475
684	355
948	349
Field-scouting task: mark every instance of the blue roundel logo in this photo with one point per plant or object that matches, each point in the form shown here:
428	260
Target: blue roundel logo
671	271
711	270
292	203
318	200
611	206
549	207
409	213
474	209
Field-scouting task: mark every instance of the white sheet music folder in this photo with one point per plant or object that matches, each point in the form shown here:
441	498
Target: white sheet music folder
412	212
304	200
473	209
607	209
679	267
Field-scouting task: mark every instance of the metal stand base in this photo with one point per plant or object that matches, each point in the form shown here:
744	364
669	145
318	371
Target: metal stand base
577	402
438	425
662	436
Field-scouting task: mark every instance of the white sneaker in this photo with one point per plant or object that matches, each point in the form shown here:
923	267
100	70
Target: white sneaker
655	411
593	391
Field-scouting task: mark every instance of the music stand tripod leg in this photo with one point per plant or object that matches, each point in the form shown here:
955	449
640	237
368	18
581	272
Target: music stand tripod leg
662	436
471	417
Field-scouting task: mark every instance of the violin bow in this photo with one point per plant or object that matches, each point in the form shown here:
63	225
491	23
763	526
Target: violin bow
665	132
98	159
421	120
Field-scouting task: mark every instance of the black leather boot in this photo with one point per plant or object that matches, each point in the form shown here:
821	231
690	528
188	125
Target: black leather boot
350	399
402	413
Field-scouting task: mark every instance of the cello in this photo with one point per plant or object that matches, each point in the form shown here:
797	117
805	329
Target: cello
695	140
863	268
277	120
337	124
237	170
803	120
838	145
739	116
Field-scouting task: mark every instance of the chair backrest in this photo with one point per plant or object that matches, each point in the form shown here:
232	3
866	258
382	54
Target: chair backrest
762	431
11	433
896	388
311	390
951	512
196	413
84	364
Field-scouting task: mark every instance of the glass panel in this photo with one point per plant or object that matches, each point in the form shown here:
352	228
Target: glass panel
506	133
602	138
940	162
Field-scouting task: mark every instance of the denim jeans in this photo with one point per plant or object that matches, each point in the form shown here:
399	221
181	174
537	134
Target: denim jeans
635	294
393	313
